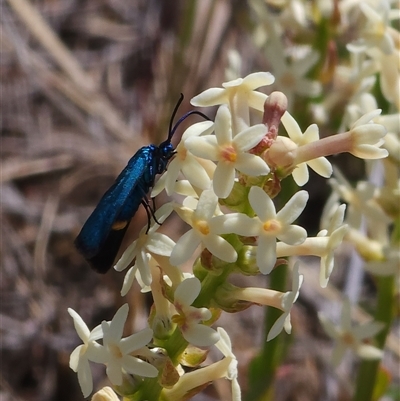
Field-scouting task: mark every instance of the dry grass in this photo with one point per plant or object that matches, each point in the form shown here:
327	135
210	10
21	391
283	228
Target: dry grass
84	84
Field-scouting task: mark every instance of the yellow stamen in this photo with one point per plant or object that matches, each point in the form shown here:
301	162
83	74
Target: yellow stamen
272	226
202	226
228	154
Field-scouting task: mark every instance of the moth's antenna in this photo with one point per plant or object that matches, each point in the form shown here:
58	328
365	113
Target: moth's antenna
170	131
173	130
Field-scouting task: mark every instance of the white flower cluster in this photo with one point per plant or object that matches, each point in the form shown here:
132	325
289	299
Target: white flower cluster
228	163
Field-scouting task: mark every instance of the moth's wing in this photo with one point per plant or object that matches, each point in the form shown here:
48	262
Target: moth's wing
103	260
104	218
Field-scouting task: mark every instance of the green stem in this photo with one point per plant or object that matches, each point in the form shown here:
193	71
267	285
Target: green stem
174	345
386	310
368	372
262	368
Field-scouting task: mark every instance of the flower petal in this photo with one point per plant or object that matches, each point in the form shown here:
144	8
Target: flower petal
136	366
128	280
206	206
75	357
136	341
251	165
235	223
321	166
258	79
116	328
223	180
250	137
223	132
300	174
293	208
200	335
185	248
293	235
196	174
85	377
187	291
221	248
256	100
266	254
210	97
160	244
114	373
277	327
367	351
262	204
80	326
205	147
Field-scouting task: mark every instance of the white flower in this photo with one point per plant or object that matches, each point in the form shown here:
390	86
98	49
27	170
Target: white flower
244	87
189	318
360	200
204	230
287	301
348	336
80	356
268	225
320	165
240	95
148	243
367	137
390	265
196	171
117	352
323	245
377	32
230	152
134	272
225	346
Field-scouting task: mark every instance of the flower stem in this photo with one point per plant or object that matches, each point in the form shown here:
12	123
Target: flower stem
263	367
386	309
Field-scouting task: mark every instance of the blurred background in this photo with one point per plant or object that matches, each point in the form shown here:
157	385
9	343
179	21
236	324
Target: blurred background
84	84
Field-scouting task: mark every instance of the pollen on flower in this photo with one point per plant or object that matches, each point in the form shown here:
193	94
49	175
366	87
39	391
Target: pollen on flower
202	226
272	226
229	154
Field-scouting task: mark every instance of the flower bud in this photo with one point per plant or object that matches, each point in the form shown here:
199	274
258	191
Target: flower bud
274	108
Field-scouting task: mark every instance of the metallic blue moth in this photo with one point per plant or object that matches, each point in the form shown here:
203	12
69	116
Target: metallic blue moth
101	235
